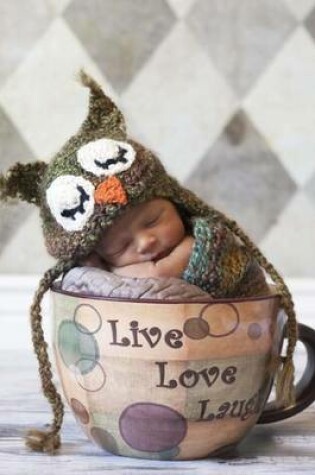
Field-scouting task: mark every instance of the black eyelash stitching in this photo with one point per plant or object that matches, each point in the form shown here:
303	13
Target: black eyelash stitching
70	213
112	161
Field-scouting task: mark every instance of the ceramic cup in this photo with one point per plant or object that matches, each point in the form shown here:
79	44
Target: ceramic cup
172	380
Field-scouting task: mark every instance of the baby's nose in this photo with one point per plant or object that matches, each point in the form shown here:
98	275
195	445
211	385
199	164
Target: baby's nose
145	243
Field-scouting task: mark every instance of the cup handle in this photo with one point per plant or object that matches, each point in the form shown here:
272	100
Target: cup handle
305	388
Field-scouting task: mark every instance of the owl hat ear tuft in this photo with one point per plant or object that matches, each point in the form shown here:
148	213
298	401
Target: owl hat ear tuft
22	181
103	113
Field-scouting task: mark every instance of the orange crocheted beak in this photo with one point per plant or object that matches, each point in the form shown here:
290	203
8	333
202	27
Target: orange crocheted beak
110	191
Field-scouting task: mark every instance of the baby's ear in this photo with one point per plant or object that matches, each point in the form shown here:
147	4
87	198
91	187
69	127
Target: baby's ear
22	181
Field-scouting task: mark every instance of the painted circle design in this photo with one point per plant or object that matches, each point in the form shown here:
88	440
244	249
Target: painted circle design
254	331
104	439
196	328
235	319
91	315
163	455
80	411
91	382
78	348
168	454
152	427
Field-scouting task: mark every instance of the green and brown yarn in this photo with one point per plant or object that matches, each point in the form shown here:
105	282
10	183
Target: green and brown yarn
46	441
22	182
72	231
220	265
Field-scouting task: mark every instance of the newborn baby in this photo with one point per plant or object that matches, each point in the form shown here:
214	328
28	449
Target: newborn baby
152	239
148	240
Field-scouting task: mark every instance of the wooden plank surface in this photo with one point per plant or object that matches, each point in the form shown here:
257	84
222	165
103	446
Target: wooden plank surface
286	447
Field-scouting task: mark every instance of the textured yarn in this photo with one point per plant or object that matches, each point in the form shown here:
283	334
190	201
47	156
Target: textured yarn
220	266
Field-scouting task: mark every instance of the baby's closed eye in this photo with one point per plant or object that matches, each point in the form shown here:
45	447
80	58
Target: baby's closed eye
151	221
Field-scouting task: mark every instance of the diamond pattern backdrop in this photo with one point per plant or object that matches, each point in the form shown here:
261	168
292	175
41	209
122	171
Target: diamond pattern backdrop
222	90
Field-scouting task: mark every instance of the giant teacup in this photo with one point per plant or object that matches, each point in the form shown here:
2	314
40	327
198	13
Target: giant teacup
172	380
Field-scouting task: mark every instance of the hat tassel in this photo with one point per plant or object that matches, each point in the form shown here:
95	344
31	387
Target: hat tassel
46	441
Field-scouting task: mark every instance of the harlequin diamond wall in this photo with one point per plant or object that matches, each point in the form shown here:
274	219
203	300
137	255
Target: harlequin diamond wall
223	91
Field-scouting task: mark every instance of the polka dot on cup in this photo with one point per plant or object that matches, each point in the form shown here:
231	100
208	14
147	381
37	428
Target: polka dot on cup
254	331
78	348
104	439
80	411
164	454
152	427
196	328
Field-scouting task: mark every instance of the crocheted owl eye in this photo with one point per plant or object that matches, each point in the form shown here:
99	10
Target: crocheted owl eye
71	201
106	157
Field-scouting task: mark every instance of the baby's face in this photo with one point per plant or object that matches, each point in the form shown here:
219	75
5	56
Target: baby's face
147	232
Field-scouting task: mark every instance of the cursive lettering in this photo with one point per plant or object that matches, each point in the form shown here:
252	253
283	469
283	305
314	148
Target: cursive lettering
139	337
190	377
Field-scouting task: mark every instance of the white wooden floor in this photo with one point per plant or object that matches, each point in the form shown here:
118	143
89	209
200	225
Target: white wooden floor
286	447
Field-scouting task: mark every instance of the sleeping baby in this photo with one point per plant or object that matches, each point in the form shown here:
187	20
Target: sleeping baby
153	240
108	207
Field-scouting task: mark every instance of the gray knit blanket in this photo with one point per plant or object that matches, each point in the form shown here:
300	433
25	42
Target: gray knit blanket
97	282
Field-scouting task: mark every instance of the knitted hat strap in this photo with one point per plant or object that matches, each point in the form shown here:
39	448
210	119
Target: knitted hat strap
46	441
285	391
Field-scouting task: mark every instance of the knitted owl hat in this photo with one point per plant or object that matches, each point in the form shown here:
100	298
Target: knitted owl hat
95	177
